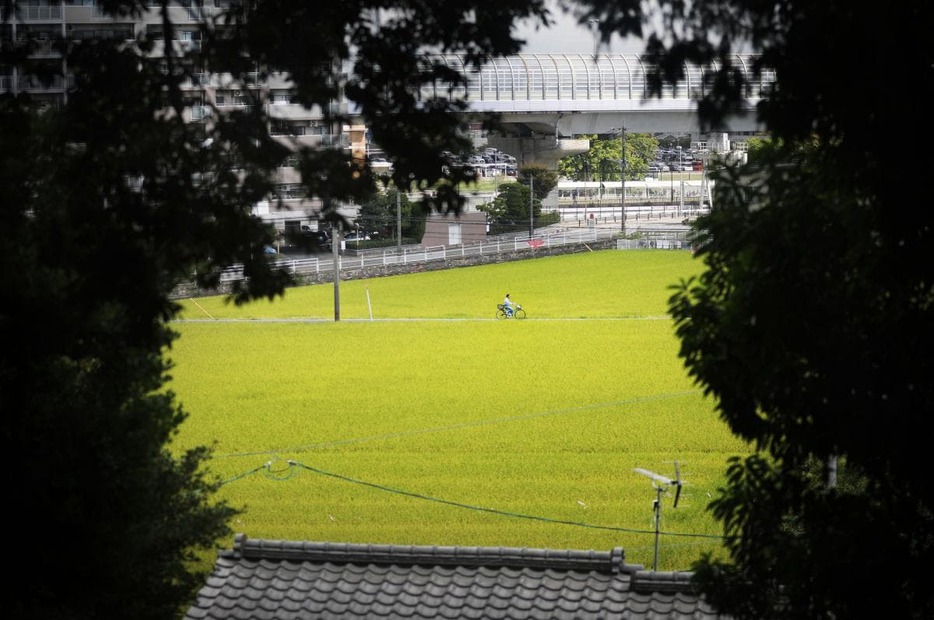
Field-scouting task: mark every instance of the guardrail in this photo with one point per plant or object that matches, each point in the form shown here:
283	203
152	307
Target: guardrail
589	230
408	256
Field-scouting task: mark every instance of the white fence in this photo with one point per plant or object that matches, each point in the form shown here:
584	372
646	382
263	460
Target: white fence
609	212
589	232
408	256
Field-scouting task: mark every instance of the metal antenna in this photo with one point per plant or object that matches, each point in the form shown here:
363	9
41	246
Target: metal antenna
677	485
661	484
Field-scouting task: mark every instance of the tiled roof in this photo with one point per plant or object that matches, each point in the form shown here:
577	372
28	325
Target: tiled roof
275	579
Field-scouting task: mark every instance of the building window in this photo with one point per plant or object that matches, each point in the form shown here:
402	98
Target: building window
232	98
290	191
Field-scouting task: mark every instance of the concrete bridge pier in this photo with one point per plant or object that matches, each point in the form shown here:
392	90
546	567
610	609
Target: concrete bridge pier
542	150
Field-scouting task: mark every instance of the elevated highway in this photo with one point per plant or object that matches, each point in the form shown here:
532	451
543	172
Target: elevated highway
546	100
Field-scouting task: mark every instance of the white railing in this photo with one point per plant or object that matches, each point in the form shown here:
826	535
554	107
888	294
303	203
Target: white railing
408	256
40	13
606	211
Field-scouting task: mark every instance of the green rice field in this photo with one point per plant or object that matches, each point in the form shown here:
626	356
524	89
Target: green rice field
417	418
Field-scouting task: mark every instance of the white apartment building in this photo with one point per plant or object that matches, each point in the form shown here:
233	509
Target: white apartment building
45	20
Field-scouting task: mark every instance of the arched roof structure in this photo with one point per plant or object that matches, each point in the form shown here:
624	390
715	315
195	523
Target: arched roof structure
582	77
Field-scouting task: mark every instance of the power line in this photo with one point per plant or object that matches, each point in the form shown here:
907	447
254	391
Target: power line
288	471
504	513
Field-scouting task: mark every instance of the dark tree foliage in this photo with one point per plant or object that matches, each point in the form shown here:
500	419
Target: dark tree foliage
540	178
509	211
404	94
811	326
813	349
602	161
515	208
108	202
389	211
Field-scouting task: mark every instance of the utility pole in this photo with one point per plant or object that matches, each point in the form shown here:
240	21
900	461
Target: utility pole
531	206
681	174
335	247
622	176
398	220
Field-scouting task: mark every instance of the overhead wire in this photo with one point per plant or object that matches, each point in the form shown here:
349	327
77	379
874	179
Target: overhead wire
505	513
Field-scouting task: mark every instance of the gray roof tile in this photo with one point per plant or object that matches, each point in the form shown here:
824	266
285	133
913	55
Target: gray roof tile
276	579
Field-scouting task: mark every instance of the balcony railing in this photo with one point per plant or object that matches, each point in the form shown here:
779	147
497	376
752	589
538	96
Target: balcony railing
39	13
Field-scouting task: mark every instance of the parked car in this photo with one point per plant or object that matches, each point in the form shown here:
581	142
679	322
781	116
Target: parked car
317	239
323	239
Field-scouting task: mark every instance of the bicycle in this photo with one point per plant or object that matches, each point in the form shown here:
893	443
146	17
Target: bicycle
517	312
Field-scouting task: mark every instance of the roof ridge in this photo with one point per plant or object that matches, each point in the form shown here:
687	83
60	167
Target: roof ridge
662	581
434	555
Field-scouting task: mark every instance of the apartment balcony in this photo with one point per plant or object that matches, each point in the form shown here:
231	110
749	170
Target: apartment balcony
200	113
32	14
42	48
324	141
293	111
289	176
33	84
180	47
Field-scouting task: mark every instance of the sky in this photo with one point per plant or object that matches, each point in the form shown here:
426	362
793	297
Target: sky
568	37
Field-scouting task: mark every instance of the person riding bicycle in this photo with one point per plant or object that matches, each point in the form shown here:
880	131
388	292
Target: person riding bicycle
508	307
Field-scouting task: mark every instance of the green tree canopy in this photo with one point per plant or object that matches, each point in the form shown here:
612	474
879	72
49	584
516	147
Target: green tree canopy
384	215
810	327
513	210
539	178
601	161
111	200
